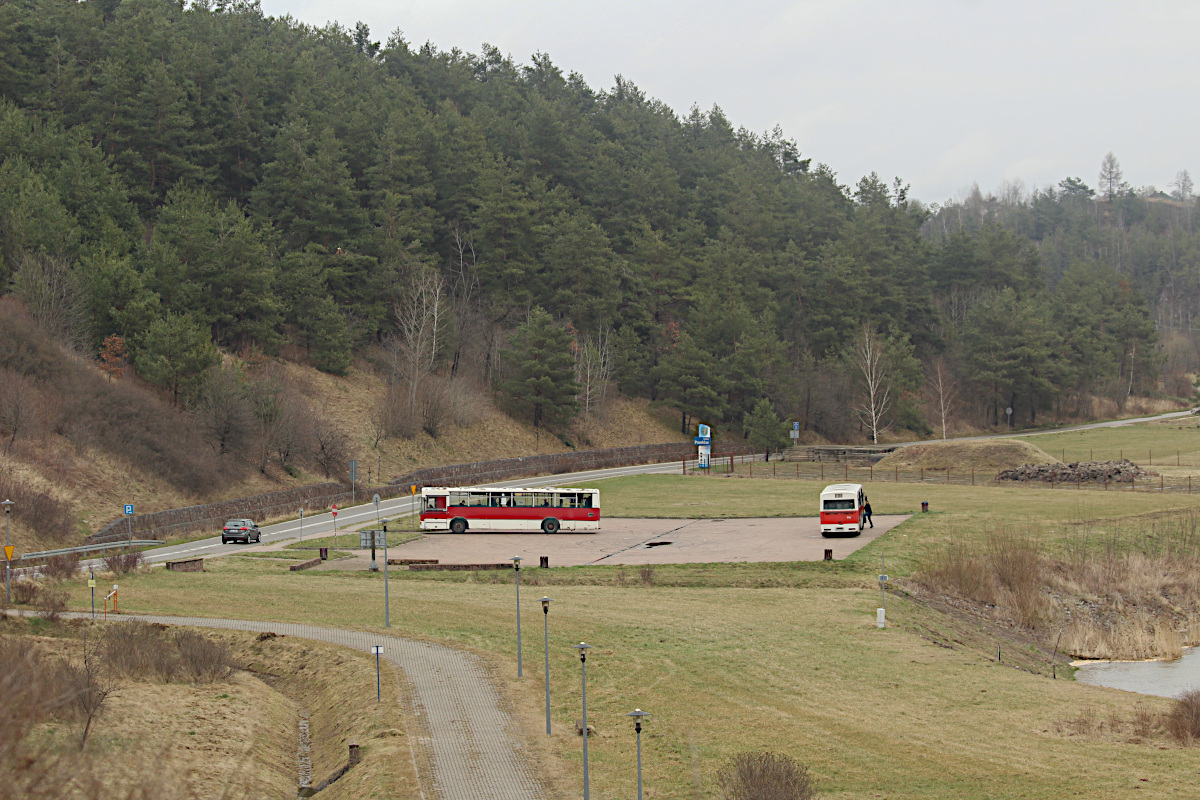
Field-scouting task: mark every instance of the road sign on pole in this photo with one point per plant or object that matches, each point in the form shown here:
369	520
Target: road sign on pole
129	509
353	470
8	552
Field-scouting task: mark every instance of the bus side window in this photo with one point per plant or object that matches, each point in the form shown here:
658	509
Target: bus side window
458	498
587	500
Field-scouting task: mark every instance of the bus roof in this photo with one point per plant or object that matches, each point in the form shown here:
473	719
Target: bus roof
841	488
441	489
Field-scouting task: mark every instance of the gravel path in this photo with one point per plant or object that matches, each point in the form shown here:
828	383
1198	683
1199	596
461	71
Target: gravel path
468	735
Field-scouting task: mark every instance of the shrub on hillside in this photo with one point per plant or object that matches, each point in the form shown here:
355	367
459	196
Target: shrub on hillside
765	776
123	562
63	567
1183	721
49	519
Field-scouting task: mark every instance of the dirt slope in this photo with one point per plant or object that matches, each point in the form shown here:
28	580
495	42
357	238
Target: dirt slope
991	456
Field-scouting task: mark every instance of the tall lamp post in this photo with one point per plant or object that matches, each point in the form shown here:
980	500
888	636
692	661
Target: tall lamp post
517	571
546	637
8	504
387	603
637	714
583	648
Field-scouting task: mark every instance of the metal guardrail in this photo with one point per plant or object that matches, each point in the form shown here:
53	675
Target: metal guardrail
87	548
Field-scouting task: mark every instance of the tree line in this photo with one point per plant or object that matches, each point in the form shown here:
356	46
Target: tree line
189	177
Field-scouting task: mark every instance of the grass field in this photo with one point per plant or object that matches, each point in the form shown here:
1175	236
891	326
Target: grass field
1161	444
803	672
783	657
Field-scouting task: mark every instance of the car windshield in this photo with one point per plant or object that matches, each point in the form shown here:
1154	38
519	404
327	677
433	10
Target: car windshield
238	523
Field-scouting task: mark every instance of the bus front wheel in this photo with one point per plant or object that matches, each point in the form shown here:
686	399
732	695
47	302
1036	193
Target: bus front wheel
550	525
458	525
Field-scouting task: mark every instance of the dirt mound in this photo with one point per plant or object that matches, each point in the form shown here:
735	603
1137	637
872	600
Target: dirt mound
1077	472
983	456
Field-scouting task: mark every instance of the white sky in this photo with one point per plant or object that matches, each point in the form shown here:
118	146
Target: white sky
941	93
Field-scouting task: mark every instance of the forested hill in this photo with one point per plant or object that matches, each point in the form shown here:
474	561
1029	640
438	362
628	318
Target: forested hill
200	174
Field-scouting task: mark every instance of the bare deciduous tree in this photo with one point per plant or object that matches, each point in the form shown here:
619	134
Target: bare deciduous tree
421	320
17	405
1183	186
331	445
765	776
1112	178
942	390
90	685
54	297
875	397
593	369
224	411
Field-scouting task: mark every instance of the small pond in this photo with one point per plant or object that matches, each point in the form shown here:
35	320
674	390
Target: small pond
1165	679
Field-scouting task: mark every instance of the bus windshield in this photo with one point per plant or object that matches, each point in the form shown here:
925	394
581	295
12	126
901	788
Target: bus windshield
839	505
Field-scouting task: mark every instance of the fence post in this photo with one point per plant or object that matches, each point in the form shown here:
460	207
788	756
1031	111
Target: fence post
922	474
972	476
1152	458
872	478
1160	484
847	476
897	476
822	470
947	476
685	466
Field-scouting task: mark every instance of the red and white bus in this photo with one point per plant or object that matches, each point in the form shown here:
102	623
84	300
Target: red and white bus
547	509
842	509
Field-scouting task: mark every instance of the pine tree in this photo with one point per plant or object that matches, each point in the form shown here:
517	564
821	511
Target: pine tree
763	429
541	372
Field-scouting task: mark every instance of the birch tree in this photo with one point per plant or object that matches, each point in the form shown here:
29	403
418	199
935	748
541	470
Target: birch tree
875	398
942	390
593	370
421	319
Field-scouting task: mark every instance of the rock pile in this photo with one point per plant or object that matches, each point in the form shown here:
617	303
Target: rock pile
1078	471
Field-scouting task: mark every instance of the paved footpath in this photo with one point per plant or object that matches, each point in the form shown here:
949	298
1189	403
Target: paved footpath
468	734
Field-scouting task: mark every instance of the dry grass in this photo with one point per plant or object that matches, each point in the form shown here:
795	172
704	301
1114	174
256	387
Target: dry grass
962	456
800	672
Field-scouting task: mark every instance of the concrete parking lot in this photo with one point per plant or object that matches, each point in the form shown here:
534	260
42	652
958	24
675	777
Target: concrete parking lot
646	541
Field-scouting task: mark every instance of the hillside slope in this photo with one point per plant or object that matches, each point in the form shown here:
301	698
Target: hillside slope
79	445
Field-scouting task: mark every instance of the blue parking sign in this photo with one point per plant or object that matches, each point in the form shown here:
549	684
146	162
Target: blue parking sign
129	509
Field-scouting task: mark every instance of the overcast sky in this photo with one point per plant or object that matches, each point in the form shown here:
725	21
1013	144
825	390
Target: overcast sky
941	93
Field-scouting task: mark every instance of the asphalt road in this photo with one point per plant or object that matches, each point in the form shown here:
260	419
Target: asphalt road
353	517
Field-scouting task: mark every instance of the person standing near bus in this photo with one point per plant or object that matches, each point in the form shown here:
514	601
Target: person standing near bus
867	511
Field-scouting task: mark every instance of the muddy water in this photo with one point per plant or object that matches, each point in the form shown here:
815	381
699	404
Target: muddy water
1147	677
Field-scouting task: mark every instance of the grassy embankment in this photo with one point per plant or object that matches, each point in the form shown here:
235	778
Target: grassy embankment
917	710
162	734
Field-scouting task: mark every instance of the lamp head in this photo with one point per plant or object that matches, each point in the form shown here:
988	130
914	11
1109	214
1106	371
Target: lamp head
8	504
516	562
583	648
546	604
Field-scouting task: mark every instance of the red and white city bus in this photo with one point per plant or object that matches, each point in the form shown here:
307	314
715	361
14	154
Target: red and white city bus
842	509
547	509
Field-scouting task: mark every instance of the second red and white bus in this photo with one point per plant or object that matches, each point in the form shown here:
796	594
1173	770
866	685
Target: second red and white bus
503	510
842	506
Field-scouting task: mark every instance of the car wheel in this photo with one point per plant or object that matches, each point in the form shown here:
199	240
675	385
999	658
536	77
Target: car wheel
458	525
550	525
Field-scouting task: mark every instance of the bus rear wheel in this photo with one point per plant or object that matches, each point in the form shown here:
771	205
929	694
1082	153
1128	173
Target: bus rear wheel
550	525
458	525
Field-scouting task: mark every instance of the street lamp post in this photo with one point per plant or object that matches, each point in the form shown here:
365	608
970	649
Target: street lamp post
8	504
583	648
546	637
637	715
517	571
387	604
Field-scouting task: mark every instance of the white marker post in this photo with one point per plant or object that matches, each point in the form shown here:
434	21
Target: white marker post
881	612
302	525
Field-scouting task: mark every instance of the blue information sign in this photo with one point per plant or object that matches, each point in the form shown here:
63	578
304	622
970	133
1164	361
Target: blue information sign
701	440
129	509
795	426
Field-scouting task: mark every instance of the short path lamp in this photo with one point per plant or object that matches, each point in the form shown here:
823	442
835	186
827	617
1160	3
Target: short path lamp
546	601
637	715
517	571
583	648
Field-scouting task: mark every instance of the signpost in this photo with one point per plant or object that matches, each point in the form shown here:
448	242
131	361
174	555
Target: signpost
703	442
795	431
8	554
387	606
129	519
334	526
92	587
302	524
